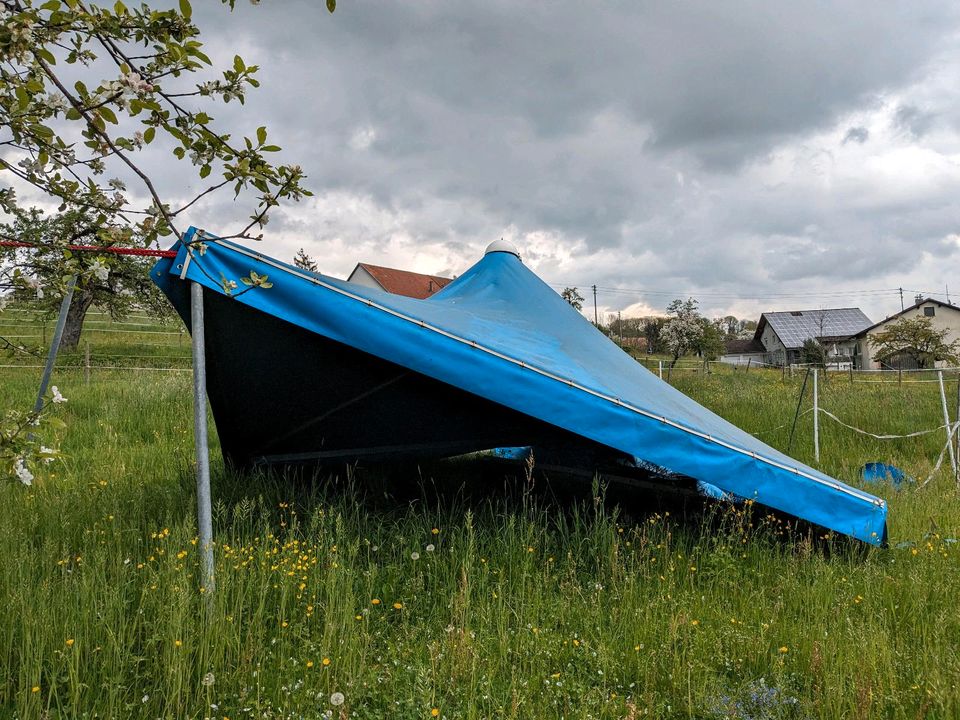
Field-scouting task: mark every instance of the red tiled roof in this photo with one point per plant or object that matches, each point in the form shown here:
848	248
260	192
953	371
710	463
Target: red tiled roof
404	282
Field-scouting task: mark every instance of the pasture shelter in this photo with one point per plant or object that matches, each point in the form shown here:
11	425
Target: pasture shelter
313	370
782	334
398	282
942	316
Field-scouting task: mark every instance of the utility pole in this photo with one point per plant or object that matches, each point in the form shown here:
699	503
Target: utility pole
901	299
620	325
596	321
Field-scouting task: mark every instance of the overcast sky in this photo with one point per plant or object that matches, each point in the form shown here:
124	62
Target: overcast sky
756	155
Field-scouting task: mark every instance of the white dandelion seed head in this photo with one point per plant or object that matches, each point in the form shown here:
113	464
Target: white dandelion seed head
431	547
208	680
414	556
337	699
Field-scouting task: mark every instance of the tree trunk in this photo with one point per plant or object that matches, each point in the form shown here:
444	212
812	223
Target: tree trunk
82	300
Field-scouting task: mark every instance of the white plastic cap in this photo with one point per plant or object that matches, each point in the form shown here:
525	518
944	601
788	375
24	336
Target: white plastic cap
502	245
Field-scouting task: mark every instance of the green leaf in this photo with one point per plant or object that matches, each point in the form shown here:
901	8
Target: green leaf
107	114
46	55
238	63
148	134
119	9
73	114
185	9
261	135
270	148
331	5
204	171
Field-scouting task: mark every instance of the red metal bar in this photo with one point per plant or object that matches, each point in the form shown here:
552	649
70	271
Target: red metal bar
145	252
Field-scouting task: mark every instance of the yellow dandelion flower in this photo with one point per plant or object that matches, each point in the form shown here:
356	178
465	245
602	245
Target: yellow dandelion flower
177	643
70	642
358	617
309	663
434	712
576	643
784	649
694	622
375	601
35	688
398	606
284	624
435	531
325	661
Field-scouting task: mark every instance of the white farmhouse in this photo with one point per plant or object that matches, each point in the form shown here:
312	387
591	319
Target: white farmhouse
943	316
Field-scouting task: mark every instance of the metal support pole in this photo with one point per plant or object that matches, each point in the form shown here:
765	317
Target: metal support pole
660	368
816	419
958	421
204	516
946	421
55	345
86	364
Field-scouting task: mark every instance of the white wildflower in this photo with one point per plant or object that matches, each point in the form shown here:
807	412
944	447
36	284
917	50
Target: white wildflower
208	680
22	472
138	139
337	699
49	452
56	396
414	556
431	547
144	699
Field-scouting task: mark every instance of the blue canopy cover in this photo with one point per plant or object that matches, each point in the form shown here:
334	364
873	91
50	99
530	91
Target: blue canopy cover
501	336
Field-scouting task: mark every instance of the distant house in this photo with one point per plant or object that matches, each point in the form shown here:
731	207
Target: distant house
398	282
943	316
745	352
782	334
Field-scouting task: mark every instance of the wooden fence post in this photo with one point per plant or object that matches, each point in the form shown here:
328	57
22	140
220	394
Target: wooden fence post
86	363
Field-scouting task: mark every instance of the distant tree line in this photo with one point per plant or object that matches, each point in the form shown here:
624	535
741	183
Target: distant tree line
682	331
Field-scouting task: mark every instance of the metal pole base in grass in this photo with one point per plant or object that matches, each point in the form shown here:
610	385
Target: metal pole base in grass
55	345
204	518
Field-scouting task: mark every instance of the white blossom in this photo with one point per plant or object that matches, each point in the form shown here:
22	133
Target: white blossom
56	396
22	471
99	270
49	452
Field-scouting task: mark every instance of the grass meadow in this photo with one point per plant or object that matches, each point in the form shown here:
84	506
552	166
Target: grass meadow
362	595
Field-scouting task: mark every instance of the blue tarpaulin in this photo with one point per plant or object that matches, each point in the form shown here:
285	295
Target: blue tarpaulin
501	334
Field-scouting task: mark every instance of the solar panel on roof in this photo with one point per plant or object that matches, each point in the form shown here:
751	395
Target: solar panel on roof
795	326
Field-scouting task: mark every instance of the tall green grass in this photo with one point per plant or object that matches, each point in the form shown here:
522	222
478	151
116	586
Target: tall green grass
507	606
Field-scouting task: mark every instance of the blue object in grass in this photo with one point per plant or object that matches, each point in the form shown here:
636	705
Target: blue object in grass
877	472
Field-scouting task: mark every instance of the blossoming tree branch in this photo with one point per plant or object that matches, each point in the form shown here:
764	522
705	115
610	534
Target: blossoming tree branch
93	98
